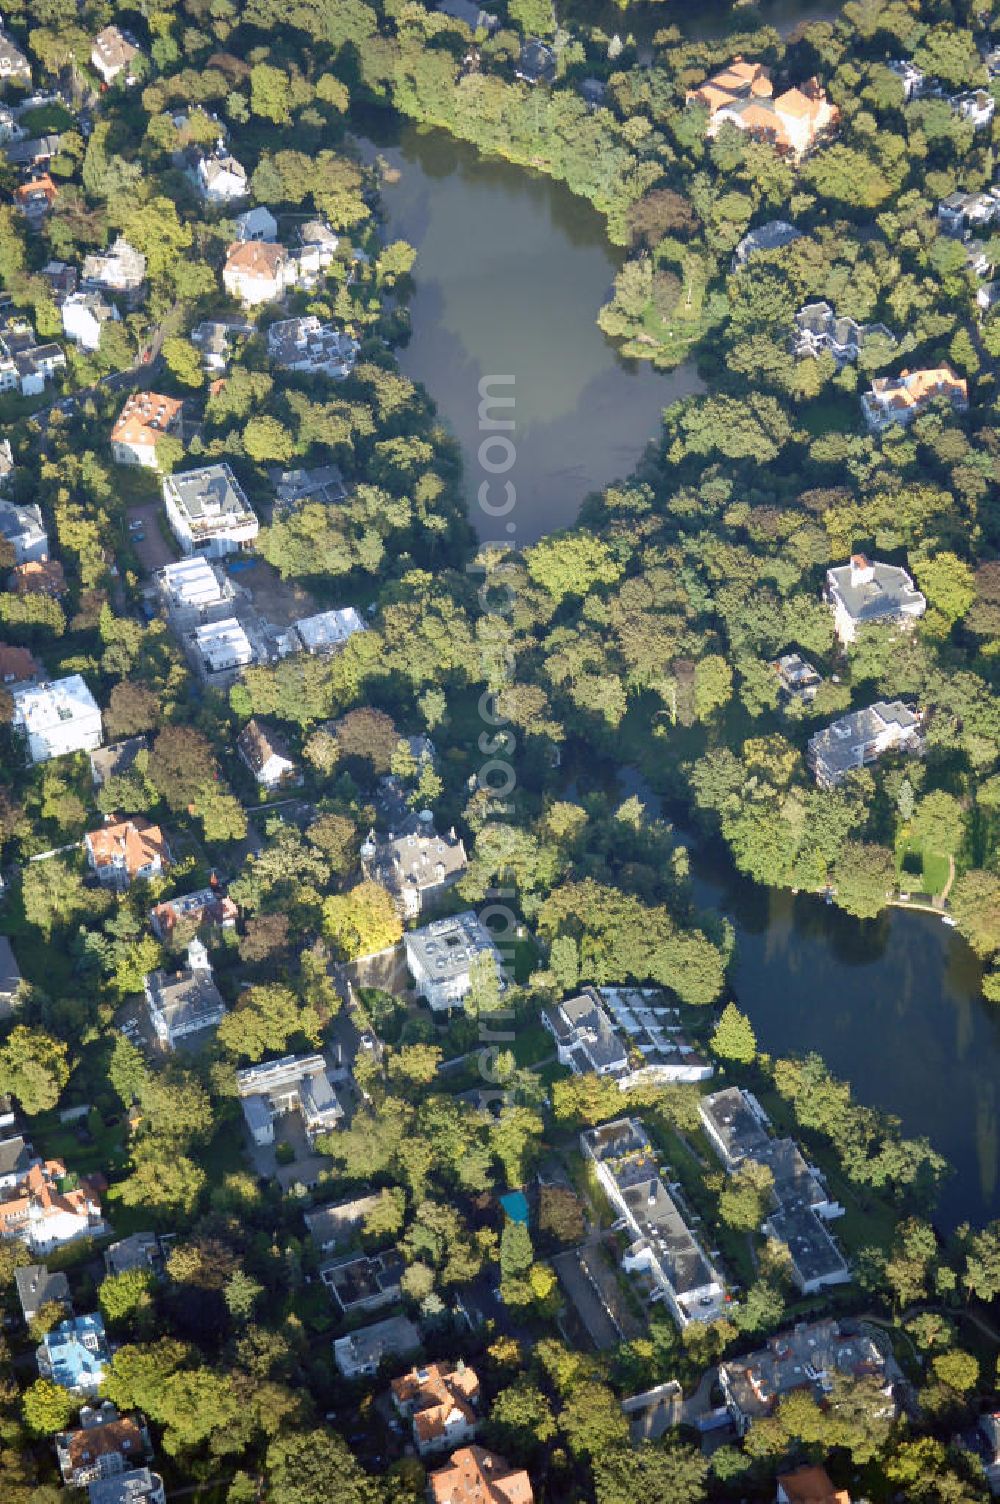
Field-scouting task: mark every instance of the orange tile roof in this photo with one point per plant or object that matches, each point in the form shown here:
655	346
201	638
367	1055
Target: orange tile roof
121	1437
39	577
138	842
794	102
811	1485
42	1195
433	1394
475	1476
44	184
145	416
255	258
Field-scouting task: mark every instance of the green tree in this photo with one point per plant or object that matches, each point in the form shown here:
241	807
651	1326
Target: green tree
122	1295
34	1068
733	1037
362	922
183	362
746	1196
958	1369
864	877
47	1407
269	93
313	1467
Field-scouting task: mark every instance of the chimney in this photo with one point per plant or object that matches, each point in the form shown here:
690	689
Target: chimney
862	572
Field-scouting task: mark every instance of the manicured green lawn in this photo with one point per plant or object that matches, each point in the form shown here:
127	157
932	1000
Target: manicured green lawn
921	870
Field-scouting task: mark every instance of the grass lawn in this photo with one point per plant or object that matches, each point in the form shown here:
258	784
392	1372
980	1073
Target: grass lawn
830	414
532	1043
47	965
921	870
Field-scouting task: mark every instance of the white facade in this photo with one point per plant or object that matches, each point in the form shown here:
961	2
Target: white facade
194	585
57	718
208	512
221	179
84	315
440	957
222	646
24	530
256	224
329	629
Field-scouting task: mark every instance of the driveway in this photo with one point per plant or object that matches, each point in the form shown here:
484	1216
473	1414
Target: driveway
153	551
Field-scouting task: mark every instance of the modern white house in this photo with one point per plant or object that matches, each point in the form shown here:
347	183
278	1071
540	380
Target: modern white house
663	1250
328	630
305	345
295	1083
441	955
862	737
57	718
181	1003
193	588
621	1032
24	530
121	268
222	648
218	176
84	315
864	591
208	511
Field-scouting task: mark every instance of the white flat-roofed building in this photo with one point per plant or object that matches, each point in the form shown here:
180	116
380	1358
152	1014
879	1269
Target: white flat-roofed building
24	530
663	1248
360	1354
256	224
57	718
328	629
307	346
619	1032
121	268
194	586
440	957
862	737
208	511
864	591
295	1083
222	647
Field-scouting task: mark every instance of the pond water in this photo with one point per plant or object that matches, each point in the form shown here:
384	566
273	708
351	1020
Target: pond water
894	1005
511	271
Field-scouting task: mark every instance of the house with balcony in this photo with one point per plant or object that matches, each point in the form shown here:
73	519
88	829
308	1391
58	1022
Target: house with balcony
194	590
75	1354
961	213
361	1282
865	591
798	680
439	1400
24	529
57	718
808	1357
217	175
818	331
975	106
418	868
208	511
104	1445
899	399
49	1208
126	851
140	425
619	1032
306	346
186	1002
113	55
441	957
139	1486
295	1083
473	1473
862	737
662	1250
328	630
257	272
221	649
84	315
205	906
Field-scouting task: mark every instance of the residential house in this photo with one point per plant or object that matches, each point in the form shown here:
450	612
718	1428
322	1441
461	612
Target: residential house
218	176
439	1400
472	1473
75	1354
977	106
117	760
214	338
256	272
7	466
57	718
593	92
139	1486
36	151
738	1130
328	630
616	1032
10	129
978	258
662	1249
35	198
417	869
361	1282
441	957
863	591
221	649
772	236
989	1449
797	678
809	1485
17	665
804	1357
205	906
296	1083
536	63
475	18
104	1445
912	78
818	331
360	1354
10	980
24	530
39	577
182	1003
36	1288
988	296
84	315
296	488
339	1225
315	253
862	737
47	1210
743	95
208	511
121	268
900	399
141	1250
126	851
961	213
256	224
61	277
305	345
265	752
114	53
142	422
16	1160
14	66
25	365
193	591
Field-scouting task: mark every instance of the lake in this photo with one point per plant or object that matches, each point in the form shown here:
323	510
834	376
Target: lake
894	1005
511	271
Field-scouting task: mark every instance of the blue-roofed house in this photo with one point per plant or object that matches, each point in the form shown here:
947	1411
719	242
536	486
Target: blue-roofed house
75	1354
